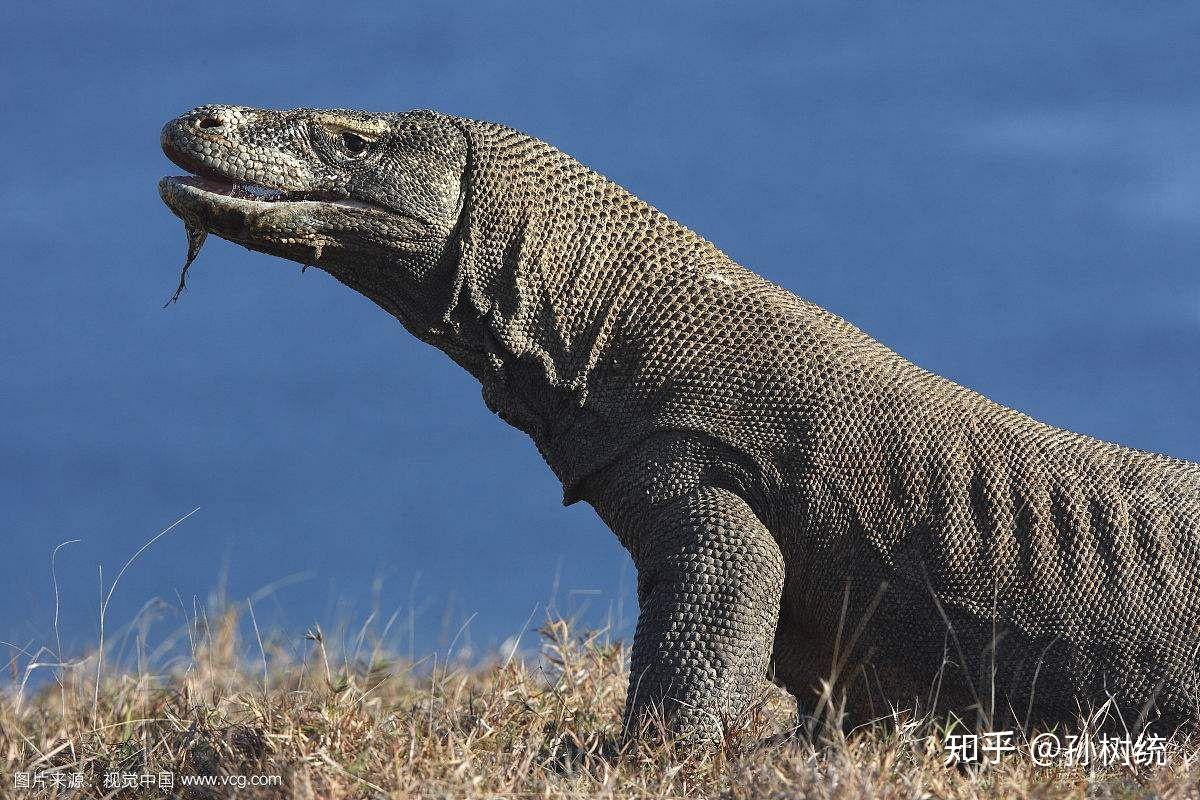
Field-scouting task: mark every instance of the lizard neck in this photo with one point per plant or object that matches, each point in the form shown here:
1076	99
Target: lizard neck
549	256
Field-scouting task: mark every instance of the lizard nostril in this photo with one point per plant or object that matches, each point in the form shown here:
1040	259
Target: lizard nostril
210	122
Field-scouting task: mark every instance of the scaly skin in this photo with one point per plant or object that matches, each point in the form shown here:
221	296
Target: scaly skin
798	499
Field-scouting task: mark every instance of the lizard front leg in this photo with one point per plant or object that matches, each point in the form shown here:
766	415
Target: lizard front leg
709	583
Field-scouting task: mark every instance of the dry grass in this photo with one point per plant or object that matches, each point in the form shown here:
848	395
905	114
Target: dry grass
544	725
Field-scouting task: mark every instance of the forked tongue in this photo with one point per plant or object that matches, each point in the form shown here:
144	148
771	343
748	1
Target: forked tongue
195	238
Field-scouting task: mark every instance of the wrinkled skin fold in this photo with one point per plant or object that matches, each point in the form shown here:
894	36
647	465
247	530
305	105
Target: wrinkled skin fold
799	500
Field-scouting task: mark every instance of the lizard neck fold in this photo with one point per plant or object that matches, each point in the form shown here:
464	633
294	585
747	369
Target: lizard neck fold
549	256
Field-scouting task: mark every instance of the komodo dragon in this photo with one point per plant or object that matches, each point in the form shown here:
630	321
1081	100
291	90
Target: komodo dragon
798	499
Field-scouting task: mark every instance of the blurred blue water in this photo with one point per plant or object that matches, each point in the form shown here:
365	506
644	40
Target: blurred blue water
1007	195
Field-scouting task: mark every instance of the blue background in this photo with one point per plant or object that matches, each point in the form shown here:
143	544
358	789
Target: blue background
1008	196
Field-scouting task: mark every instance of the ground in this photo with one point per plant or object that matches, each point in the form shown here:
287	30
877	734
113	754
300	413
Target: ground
242	715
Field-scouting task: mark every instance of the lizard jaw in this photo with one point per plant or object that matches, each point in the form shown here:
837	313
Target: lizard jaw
256	217
294	225
190	196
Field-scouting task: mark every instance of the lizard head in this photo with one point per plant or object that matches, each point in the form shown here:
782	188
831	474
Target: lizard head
373	199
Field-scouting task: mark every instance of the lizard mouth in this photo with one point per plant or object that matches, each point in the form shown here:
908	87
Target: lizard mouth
208	186
220	191
242	212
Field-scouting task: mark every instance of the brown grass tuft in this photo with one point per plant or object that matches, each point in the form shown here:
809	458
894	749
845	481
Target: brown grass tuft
546	725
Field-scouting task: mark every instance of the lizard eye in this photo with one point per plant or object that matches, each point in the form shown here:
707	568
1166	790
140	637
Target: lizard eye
354	144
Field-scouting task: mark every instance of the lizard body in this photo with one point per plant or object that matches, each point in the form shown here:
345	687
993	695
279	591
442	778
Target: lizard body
798	499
